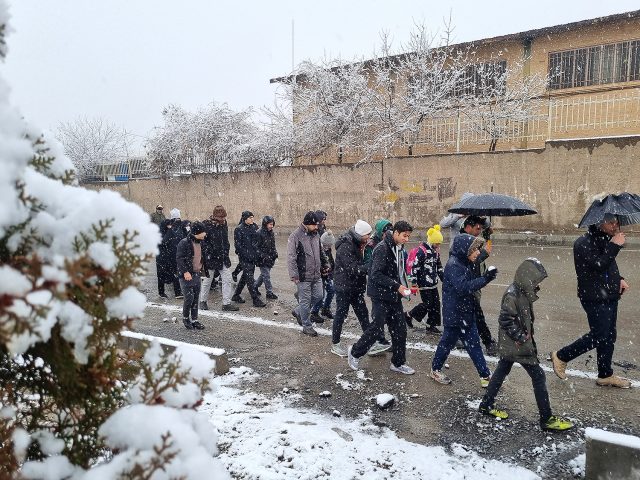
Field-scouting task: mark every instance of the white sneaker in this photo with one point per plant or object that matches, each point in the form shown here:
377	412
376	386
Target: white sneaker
353	361
406	369
338	349
440	377
378	348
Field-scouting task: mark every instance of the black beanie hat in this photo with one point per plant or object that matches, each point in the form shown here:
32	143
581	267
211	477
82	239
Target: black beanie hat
310	218
246	214
196	228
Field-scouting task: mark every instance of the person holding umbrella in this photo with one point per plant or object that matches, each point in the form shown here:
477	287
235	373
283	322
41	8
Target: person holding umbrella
600	287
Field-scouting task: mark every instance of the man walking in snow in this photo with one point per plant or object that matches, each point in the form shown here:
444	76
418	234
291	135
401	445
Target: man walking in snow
266	255
245	238
191	264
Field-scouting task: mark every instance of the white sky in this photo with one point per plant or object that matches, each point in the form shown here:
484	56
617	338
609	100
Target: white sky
125	60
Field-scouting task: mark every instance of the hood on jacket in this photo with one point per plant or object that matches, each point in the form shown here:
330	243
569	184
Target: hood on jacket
268	219
461	245
380	226
528	277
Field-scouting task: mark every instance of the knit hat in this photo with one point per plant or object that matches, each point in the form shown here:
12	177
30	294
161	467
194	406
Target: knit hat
310	218
196	228
321	214
246	214
159	207
434	236
477	244
219	213
362	228
175	213
327	239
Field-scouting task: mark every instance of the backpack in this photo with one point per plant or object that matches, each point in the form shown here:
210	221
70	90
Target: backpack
413	253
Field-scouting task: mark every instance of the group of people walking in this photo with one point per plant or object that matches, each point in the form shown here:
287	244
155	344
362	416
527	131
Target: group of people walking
377	263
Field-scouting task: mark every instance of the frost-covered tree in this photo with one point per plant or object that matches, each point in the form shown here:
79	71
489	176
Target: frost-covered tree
72	405
90	142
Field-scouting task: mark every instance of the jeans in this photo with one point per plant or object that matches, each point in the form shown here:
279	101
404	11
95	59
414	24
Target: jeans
227	287
265	277
602	318
393	315
537	380
191	292
247	279
430	307
309	293
471	342
344	300
176	287
329	292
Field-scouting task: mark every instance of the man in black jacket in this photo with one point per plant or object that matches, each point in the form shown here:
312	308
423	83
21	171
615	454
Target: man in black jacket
216	251
266	255
600	287
191	264
350	283
245	241
386	286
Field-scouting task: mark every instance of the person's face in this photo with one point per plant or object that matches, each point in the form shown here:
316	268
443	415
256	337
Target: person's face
610	228
365	238
159	210
269	226
436	247
473	229
400	238
474	255
312	228
201	235
249	221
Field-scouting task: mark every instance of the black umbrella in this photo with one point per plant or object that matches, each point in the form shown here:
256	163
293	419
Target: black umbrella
626	206
493	205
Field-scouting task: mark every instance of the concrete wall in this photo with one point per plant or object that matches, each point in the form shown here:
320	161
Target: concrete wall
558	181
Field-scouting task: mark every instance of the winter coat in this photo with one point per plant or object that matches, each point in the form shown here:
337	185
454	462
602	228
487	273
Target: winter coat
305	256
216	245
459	284
350	272
172	233
427	267
331	263
374	240
266	245
184	257
157	218
384	273
594	256
245	239
515	337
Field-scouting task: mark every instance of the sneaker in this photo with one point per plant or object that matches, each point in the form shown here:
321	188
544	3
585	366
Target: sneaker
440	377
187	323
315	318
613	381
353	361
378	348
406	369
230	307
338	349
327	313
259	303
238	299
559	366
484	381
492	349
556	424
408	319
272	296
179	296
493	412
203	306
309	330
163	295
433	330
197	325
297	317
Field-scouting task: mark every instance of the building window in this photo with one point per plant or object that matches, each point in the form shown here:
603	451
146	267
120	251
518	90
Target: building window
601	64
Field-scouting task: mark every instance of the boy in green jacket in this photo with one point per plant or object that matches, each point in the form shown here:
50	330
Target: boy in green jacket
516	344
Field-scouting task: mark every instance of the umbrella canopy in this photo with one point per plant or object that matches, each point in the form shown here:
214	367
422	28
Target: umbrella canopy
626	206
493	205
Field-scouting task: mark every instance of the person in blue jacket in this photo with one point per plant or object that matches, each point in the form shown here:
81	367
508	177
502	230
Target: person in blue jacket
460	282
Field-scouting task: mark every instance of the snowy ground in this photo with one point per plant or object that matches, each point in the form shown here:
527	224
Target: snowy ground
272	438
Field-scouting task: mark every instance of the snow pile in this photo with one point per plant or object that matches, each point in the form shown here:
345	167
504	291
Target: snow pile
578	465
621	439
385	400
270	438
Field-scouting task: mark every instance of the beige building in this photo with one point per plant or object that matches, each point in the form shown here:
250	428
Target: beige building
593	90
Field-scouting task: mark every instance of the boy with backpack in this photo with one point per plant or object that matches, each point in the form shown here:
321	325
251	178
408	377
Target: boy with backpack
425	268
516	344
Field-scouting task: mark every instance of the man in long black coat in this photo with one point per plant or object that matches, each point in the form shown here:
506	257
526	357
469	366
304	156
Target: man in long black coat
245	241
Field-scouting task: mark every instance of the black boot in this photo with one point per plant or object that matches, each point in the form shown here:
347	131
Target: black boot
327	313
187	323
238	299
197	325
204	306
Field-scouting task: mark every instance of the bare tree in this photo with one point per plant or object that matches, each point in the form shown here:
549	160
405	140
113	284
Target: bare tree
91	142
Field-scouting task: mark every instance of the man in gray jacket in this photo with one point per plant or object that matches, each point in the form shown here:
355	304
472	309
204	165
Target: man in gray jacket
306	261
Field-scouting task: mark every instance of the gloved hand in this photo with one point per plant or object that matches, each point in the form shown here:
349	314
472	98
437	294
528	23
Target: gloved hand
491	273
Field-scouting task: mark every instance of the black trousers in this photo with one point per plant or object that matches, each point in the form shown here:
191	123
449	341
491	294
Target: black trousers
191	292
483	329
248	280
430	307
176	287
538	381
393	315
344	300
